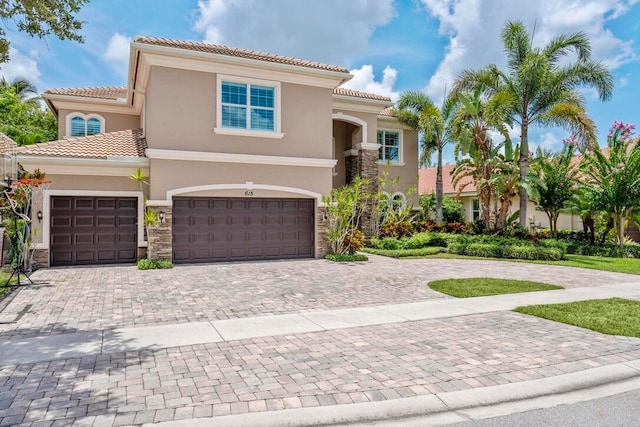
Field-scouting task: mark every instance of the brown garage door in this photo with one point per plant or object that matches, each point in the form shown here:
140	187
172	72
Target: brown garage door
232	229
93	230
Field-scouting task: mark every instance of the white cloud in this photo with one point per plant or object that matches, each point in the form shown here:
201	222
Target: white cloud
623	82
117	53
473	28
328	31
546	141
364	80
21	65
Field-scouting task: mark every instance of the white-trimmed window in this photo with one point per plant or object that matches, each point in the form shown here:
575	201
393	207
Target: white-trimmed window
248	107
79	124
475	209
390	146
398	201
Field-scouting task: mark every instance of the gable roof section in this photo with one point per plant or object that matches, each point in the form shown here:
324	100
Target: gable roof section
126	143
107	92
341	91
238	53
427	181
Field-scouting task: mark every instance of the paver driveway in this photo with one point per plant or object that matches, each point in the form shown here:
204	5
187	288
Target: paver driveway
99	298
361	364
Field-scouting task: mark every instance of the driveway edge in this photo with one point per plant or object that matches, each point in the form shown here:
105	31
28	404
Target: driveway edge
449	407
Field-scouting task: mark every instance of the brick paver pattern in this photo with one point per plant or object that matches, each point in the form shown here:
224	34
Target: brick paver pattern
305	370
99	298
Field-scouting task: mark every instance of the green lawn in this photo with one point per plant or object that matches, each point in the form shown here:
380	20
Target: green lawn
614	316
5	290
483	286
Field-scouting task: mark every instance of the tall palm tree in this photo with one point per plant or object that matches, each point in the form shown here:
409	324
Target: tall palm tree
544	87
419	112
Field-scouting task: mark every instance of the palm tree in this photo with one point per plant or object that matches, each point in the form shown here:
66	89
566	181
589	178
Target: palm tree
25	89
473	120
543	86
419	112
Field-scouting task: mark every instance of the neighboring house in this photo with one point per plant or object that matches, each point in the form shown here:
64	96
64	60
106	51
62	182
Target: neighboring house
469	199
239	147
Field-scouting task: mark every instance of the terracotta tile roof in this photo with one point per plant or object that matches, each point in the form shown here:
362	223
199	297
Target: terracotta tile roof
109	92
7	145
357	94
427	181
240	53
126	143
386	112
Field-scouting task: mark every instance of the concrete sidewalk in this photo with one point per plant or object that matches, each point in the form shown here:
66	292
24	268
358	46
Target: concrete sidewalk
54	347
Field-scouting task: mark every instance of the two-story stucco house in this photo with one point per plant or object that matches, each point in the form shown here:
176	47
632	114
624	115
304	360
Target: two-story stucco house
238	146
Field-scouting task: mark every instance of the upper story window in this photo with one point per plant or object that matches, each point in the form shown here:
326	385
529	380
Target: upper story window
248	107
79	124
389	146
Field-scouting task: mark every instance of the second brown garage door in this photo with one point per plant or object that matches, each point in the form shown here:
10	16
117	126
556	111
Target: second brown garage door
234	229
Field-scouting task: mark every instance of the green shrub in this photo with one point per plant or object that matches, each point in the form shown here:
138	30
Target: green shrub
154	264
611	251
389	243
404	253
486	250
532	253
346	257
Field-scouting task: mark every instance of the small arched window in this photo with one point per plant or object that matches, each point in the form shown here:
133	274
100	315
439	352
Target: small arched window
82	125
398	201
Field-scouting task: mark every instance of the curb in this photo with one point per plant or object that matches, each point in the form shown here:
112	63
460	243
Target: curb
444	408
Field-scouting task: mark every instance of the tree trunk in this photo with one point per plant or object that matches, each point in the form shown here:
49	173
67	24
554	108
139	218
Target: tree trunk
523	163
550	216
607	230
439	188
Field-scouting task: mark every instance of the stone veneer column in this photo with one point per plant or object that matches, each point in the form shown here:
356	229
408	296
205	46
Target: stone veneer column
352	165
40	258
322	227
368	163
160	237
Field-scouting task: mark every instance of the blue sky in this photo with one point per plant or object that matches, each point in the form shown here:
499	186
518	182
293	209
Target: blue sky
390	46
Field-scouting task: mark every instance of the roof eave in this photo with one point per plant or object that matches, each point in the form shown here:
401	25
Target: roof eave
340	76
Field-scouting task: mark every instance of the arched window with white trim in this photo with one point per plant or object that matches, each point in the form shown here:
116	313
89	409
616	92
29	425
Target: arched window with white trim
79	124
398	201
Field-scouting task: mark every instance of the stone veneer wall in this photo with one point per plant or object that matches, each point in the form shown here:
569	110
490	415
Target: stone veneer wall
368	160
352	167
322	227
160	237
41	258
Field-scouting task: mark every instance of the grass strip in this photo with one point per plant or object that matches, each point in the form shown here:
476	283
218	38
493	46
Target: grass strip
484	286
613	316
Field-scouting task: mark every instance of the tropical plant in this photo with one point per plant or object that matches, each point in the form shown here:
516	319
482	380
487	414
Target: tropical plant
557	181
583	205
452	209
541	85
419	112
612	176
344	208
23	118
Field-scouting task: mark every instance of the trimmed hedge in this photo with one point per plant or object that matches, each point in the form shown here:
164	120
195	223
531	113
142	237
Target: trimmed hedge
489	250
611	251
346	257
405	253
154	264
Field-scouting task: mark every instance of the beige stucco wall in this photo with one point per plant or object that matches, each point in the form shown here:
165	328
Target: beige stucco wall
174	174
407	172
181	115
113	122
565	221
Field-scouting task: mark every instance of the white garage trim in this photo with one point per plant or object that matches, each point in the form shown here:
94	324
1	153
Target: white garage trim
247	186
46	211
